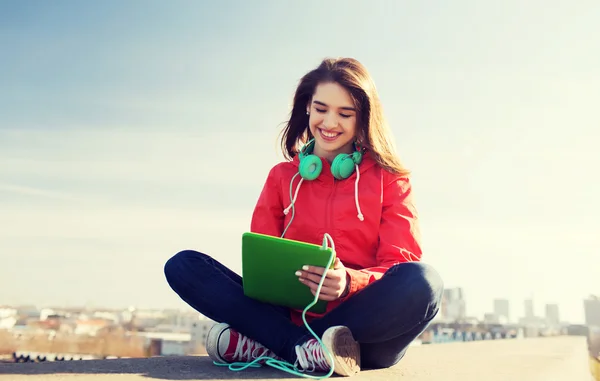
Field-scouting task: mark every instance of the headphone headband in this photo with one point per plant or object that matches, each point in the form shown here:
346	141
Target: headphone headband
307	148
342	166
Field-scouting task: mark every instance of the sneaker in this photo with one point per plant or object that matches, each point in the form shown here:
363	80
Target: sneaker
341	344
225	345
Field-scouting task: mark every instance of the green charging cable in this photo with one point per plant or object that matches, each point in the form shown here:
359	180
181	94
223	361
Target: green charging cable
284	365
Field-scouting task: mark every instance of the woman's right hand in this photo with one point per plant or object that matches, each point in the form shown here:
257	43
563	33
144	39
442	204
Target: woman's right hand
334	285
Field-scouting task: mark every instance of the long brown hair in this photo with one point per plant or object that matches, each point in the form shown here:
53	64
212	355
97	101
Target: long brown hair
373	132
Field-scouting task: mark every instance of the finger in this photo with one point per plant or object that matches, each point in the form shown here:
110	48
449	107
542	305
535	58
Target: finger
337	276
313	269
334	275
325	297
337	264
314	286
325	292
329	282
311	276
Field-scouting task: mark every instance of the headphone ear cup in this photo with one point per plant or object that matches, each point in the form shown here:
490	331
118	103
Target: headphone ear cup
310	167
342	166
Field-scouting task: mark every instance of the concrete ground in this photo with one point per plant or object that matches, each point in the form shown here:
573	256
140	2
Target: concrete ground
540	359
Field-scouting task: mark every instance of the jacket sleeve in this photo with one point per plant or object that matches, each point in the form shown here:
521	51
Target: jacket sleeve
268	217
399	234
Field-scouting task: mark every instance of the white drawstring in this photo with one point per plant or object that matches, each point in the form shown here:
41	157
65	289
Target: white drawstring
287	210
360	215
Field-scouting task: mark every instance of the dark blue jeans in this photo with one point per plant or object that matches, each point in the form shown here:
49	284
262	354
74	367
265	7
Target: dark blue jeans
384	317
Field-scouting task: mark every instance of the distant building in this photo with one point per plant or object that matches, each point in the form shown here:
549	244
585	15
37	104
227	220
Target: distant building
533	323
8	317
591	307
46	313
107	315
491	318
501	309
552	315
453	305
165	343
28	312
8	322
199	333
180	320
6	312
90	327
50	324
529	314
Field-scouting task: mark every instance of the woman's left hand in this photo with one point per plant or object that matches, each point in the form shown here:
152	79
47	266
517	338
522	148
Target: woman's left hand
334	284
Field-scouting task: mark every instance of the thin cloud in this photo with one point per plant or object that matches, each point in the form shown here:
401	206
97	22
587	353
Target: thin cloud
119	223
36	192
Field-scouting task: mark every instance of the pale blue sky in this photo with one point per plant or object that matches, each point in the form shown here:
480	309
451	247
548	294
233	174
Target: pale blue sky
130	130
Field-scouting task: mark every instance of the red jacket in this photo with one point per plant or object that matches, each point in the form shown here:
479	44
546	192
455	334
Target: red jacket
389	233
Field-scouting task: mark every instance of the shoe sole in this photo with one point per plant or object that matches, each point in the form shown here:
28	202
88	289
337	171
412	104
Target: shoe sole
212	341
345	350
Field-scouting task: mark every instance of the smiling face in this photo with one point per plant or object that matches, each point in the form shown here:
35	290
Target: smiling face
332	120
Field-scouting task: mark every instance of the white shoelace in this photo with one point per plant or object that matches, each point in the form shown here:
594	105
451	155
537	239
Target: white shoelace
253	350
310	357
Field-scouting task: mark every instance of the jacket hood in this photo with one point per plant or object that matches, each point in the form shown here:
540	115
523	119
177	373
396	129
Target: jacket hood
366	164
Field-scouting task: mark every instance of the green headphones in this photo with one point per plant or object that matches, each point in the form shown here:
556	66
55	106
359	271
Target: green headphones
342	167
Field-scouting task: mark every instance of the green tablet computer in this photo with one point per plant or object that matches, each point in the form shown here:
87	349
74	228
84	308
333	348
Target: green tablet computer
269	265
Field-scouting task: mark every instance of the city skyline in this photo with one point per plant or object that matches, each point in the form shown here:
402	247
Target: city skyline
540	310
456	306
124	140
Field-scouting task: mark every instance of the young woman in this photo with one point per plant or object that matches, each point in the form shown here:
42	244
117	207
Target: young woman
347	182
